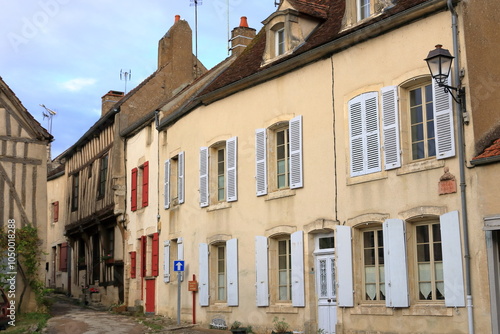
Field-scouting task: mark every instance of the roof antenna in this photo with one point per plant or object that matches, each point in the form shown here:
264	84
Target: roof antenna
277	3
125	76
48	114
195	3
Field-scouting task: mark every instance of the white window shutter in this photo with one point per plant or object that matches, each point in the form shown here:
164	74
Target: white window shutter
166	261
356	136
261	161
396	273
232	272
452	260
204	177
297	249
345	296
261	270
203	288
180	177
166	185
180	254
390	120
231	171
443	122
296	165
372	133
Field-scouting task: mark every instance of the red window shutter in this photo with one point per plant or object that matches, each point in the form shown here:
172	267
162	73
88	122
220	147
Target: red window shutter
155	250
145	184
144	241
133	199
55	207
63	257
133	264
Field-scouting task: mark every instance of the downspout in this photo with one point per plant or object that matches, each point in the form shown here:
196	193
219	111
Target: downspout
461	157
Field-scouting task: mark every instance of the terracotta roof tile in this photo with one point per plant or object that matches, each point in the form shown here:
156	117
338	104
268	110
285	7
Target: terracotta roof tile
491	151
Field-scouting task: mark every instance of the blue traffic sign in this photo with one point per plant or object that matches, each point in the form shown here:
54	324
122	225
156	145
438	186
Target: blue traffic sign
178	265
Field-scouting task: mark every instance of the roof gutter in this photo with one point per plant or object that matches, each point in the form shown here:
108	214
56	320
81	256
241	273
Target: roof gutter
485	161
338	45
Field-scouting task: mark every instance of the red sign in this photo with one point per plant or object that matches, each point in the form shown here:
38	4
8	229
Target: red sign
193	286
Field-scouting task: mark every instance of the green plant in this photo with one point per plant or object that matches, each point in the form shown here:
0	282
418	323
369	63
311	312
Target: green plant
280	326
236	324
106	257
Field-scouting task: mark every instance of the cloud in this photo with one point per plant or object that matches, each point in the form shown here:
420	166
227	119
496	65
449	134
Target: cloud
77	84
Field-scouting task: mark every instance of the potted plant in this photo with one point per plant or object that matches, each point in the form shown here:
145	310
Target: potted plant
107	258
237	329
281	326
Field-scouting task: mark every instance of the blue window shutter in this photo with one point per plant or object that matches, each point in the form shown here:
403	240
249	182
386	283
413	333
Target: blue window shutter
390	121
232	171
452	260
261	161
395	263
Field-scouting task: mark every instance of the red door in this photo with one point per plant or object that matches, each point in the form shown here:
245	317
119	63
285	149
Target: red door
150	295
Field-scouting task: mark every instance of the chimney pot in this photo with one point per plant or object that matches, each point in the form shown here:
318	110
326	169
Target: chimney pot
177	18
244	22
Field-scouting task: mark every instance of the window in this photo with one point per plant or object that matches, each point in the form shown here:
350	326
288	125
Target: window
275	267
284	270
283	141
173	190
103	176
75	190
110	247
429	262
219	272
218	176
139	190
421	109
55	211
373	265
364	9
280	41
63	256
176	248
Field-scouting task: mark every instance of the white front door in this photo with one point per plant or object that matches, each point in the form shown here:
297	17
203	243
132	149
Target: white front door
325	284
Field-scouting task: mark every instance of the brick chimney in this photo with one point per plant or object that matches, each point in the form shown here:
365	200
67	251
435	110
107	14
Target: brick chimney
241	37
109	99
176	47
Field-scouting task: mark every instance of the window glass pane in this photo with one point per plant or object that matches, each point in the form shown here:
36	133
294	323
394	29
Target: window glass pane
423	253
418	151
440	291
422	233
439	271
369	256
416	97
432	148
283	293
416	115
381	255
369	239
326	243
370	275
417	132
425	290
430	130
428	93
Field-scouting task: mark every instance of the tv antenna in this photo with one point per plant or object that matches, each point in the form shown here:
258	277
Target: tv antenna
125	76
196	3
48	113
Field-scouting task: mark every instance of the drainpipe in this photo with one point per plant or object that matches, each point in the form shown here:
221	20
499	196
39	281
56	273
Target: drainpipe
461	157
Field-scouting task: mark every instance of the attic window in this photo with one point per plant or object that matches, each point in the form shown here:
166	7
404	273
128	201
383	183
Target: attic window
279	38
358	11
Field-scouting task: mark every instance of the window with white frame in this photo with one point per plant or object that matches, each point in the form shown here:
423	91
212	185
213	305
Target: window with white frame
421	111
279	157
364	9
373	264
280	269
173	189
218	172
279	36
172	250
218	273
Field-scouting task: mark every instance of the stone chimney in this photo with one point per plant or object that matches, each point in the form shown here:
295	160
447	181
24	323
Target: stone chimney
241	37
176	48
109	99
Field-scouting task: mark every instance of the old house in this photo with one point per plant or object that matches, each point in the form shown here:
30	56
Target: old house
24	147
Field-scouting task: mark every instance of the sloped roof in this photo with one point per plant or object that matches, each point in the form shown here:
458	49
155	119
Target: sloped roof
489	155
37	130
249	63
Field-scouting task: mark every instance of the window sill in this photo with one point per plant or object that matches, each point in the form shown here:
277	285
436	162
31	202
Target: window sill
280	194
420	166
219	308
366	178
372	309
282	308
219	206
428	310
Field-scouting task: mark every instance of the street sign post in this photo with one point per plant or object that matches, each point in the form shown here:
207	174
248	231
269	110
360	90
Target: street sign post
179	267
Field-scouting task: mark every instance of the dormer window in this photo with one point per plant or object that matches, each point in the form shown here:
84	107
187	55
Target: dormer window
280	41
358	11
363	9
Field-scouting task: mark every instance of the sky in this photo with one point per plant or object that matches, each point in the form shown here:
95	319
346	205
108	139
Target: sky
66	54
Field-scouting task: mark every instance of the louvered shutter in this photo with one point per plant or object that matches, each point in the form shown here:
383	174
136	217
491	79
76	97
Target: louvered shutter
204	177
452	260
232	272
144	241
155	248
56	211
203	289
166	185
180	254
395	263
133	264
231	172
145	184
372	133
180	177
345	296
390	119
261	271
63	257
297	250
133	190
166	261
443	122
261	161
296	165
